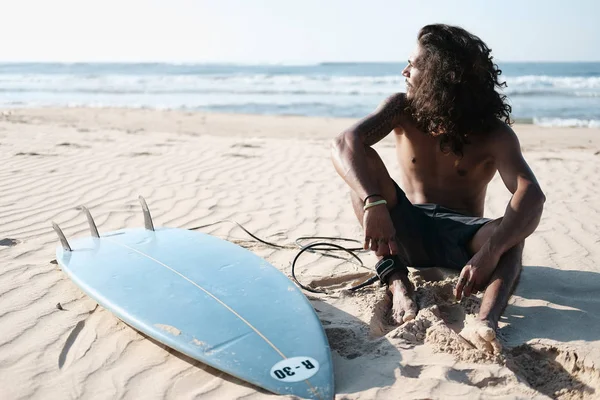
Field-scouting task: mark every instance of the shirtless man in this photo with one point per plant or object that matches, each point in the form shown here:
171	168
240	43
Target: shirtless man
452	134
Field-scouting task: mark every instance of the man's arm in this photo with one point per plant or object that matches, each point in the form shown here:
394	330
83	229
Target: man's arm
524	210
521	217
349	147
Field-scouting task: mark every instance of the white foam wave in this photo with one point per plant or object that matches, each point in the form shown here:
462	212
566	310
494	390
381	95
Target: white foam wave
570	99
553	85
567	122
152	84
530	85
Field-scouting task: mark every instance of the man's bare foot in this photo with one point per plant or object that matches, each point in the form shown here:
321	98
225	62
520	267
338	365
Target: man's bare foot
481	334
404	306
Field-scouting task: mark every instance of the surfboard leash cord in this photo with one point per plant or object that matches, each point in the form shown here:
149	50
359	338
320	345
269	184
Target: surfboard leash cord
324	248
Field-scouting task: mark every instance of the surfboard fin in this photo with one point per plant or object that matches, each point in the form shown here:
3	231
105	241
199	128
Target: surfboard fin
147	217
61	236
93	228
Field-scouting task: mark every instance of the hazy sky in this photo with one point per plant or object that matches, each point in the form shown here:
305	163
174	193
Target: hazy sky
288	31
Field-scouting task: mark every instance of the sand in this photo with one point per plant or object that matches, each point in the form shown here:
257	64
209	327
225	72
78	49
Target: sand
274	176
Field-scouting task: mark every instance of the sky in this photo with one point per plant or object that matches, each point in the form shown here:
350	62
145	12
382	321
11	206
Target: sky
288	31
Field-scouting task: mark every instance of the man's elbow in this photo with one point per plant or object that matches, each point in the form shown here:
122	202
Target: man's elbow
336	143
542	196
535	194
339	144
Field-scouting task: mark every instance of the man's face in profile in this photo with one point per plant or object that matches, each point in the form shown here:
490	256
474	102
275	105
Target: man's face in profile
411	72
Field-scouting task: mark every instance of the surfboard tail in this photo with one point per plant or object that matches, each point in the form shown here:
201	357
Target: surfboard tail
61	236
147	217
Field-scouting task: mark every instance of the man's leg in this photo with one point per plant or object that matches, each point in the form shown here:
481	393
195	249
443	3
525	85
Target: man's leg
481	332
404	307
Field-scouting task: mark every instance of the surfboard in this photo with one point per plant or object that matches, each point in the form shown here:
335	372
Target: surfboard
207	298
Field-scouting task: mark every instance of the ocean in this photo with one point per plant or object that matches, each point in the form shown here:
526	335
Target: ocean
549	94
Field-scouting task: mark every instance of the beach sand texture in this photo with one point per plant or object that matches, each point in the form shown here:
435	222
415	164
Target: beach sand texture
274	176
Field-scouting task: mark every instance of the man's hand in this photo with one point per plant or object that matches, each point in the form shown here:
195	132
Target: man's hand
476	274
380	234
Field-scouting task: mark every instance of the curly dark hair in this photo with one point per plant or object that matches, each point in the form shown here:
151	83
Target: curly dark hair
456	95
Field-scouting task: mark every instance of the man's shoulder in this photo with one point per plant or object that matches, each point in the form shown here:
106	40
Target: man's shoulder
395	102
502	133
502	138
395	106
396	98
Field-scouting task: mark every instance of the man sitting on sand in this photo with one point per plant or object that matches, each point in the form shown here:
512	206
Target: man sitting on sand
452	134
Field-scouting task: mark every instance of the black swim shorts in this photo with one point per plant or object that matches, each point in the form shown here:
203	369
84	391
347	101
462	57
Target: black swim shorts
430	235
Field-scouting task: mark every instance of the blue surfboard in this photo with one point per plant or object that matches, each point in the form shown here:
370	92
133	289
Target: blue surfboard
208	299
